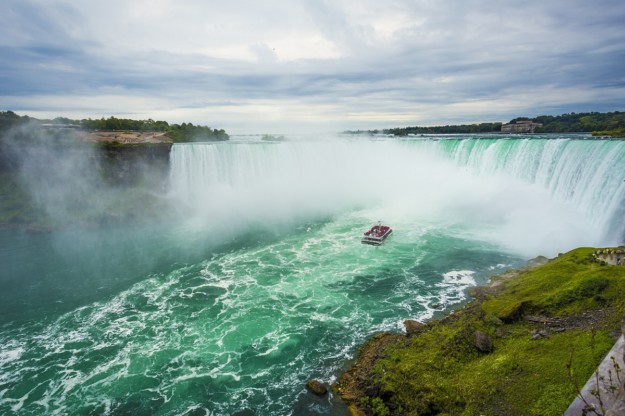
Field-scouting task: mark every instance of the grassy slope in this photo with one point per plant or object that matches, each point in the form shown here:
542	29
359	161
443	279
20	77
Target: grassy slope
441	372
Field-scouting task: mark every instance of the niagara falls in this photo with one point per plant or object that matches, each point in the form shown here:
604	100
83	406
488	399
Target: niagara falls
312	208
261	281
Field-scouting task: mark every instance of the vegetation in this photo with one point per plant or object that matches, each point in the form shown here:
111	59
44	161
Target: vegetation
600	124
579	304
185	132
9	119
578	122
50	179
455	129
610	133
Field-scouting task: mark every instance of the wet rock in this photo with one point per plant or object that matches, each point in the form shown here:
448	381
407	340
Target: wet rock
539	334
482	341
372	391
316	387
413	327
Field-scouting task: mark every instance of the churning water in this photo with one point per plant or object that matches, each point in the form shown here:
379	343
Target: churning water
260	282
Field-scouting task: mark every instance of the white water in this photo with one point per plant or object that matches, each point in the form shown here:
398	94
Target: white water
531	196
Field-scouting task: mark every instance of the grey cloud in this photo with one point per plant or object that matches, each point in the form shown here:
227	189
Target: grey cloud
448	53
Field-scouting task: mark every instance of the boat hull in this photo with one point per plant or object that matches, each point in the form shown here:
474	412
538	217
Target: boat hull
376	238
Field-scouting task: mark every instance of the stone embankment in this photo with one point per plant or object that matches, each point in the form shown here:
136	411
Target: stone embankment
604	393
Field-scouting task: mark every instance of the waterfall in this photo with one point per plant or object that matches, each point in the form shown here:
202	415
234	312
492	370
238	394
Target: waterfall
587	174
469	179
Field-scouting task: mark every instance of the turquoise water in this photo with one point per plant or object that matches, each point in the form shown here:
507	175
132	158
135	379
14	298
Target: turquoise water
258	282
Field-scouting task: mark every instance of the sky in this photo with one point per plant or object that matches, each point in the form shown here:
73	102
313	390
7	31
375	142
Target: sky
279	66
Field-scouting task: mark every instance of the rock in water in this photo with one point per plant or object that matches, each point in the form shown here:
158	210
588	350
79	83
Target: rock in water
482	341
413	327
317	387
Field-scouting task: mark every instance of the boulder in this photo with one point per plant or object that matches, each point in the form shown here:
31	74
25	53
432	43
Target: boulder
316	387
482	341
513	312
413	327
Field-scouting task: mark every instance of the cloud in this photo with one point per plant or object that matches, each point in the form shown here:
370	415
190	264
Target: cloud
284	63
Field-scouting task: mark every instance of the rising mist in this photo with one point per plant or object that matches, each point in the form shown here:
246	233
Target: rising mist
64	180
532	204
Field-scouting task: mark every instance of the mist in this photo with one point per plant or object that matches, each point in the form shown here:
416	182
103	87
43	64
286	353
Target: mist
58	174
231	187
224	190
66	181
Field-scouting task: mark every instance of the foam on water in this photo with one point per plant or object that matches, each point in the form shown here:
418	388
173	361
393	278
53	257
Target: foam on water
244	329
531	195
285	291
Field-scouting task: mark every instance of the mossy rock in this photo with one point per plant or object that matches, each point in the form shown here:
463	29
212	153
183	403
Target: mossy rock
508	312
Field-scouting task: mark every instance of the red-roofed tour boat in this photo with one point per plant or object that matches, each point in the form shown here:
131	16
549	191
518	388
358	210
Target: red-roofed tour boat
377	234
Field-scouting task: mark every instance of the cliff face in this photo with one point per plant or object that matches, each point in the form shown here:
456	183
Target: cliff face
120	164
50	185
144	164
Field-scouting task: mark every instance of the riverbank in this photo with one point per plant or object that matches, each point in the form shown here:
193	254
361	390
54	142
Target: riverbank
524	346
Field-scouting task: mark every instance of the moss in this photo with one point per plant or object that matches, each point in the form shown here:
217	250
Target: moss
582	289
565	285
440	371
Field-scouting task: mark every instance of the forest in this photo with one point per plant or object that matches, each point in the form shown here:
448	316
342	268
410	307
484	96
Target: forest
578	122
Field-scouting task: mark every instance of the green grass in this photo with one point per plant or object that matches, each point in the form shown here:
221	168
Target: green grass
440	372
566	285
617	133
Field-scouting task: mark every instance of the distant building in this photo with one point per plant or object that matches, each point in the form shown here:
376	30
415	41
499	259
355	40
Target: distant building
524	126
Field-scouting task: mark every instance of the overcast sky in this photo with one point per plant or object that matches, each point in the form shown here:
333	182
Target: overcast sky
297	65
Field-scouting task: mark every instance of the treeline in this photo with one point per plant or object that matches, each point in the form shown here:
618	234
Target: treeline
604	124
454	129
9	119
578	122
185	132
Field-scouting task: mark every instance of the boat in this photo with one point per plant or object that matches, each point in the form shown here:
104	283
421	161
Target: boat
376	235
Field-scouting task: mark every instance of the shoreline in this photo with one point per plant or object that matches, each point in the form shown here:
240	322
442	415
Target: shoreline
352	384
365	391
